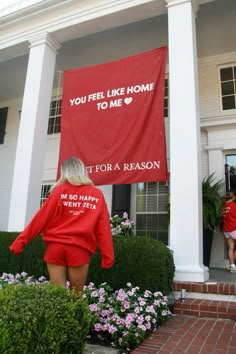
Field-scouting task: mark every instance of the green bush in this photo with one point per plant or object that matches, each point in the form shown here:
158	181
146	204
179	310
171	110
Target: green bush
30	261
141	260
42	319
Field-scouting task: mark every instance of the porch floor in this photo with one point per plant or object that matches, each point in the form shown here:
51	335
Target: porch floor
221	276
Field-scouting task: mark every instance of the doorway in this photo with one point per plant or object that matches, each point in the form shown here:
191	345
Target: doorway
230	172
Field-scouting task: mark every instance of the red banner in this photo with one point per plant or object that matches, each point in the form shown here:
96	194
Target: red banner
113	119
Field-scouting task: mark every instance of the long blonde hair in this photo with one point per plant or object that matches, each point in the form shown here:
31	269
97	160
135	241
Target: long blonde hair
74	172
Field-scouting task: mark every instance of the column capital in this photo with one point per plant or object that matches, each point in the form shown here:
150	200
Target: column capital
45	38
195	4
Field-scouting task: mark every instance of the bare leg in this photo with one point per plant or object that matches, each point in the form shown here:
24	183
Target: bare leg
231	244
57	274
77	277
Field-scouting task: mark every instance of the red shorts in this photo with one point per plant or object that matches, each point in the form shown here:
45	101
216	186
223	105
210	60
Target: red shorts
66	255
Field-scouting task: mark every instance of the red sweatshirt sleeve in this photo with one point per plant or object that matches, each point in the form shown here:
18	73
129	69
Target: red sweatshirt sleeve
38	223
104	237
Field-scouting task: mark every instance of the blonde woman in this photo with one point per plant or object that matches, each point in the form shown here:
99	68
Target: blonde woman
73	220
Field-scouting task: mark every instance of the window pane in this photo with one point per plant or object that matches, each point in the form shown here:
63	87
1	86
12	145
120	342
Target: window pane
140	188
163	201
226	74
155	226
141	224
166	98
152	188
45	189
54	122
163	221
152	203
227	88
163	188
53	112
228	102
234	72
151	222
53	104
141	203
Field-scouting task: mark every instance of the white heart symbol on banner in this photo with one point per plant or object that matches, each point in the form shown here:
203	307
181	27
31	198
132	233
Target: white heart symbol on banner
128	100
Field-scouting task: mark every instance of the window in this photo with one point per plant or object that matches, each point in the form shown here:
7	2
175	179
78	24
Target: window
45	189
228	89
54	122
152	210
166	98
3	121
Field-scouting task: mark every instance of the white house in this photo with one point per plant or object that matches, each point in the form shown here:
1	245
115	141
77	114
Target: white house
39	39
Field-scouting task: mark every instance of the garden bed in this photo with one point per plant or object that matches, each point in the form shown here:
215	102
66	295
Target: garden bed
119	319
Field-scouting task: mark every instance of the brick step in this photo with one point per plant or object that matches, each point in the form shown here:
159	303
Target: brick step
207	287
206	308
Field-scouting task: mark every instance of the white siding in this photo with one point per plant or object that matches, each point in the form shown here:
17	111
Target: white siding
209	88
51	158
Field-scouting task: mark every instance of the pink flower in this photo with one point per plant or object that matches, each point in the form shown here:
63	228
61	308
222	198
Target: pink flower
93	307
126	305
94	294
98	327
112	329
140	320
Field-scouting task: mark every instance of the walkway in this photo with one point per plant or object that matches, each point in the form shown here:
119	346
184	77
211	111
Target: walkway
191	335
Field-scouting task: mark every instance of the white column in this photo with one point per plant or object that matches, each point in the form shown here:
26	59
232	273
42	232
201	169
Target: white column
28	169
186	198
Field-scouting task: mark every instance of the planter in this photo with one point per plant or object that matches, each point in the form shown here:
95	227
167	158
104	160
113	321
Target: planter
207	244
212	203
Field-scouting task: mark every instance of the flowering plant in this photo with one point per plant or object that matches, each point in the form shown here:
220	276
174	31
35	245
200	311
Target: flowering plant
121	225
126	316
20	278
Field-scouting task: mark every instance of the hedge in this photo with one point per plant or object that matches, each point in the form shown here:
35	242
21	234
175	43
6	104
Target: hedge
42	319
140	260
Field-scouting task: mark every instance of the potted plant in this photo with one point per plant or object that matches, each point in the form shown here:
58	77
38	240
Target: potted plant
212	204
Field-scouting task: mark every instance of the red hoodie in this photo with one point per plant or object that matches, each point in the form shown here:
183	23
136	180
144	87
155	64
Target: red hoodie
74	215
229	216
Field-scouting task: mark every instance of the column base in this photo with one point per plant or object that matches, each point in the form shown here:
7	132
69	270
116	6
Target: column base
193	274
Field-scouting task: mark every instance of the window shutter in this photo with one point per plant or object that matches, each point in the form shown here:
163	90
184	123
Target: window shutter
121	199
3	121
